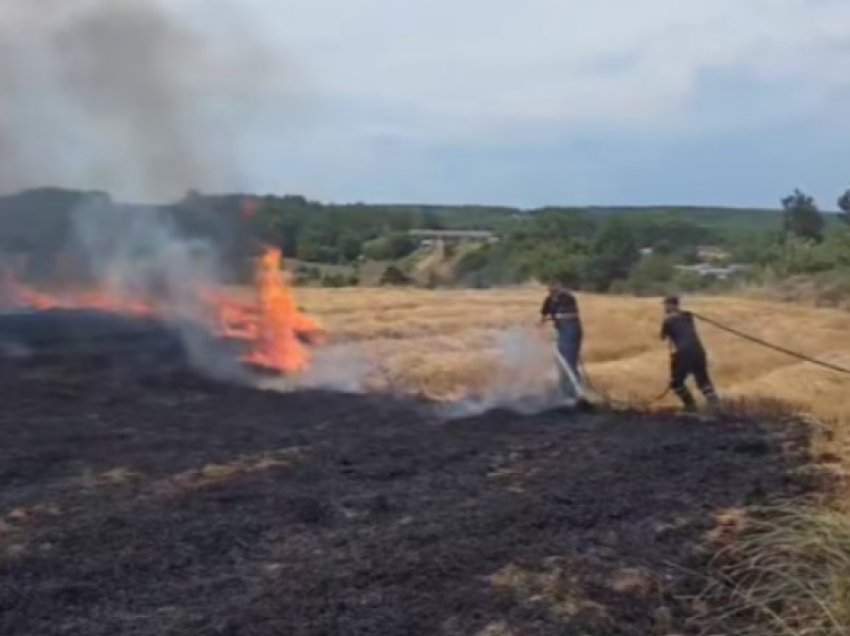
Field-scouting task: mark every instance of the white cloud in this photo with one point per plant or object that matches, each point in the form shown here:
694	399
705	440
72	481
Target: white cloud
470	68
345	97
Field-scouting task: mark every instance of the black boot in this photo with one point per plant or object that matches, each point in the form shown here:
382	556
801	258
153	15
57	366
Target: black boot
583	404
687	398
710	397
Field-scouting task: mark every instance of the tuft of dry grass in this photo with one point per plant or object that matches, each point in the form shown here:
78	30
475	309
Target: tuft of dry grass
789	575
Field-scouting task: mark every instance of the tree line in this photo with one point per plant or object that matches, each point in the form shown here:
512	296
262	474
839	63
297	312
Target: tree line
600	249
642	252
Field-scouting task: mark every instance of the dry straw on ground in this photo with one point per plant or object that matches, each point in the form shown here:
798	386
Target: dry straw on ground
447	344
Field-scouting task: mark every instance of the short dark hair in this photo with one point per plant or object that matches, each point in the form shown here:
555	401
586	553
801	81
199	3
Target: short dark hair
673	301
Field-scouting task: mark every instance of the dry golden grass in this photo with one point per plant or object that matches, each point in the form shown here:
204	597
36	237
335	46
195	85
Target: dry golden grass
447	344
790	576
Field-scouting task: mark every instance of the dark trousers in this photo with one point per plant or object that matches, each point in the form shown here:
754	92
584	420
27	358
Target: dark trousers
684	364
569	346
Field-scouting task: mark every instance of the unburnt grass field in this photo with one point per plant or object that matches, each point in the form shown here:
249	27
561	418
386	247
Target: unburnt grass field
448	344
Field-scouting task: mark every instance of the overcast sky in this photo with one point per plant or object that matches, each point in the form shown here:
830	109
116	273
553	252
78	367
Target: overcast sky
538	102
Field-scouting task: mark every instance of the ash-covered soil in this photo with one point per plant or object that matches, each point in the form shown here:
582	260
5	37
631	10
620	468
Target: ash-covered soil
171	505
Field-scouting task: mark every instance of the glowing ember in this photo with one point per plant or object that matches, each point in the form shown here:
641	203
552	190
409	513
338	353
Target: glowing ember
273	329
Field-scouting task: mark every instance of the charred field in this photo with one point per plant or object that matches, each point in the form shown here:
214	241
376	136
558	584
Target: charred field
163	503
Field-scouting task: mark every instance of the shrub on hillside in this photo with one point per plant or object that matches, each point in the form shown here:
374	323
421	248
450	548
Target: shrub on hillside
823	289
339	280
394	276
801	256
390	248
652	276
306	274
316	252
488	266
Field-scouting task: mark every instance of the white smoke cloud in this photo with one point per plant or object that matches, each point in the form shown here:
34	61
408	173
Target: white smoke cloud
525	381
124	95
138	254
344	367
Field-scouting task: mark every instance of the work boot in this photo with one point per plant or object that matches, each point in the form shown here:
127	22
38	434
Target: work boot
687	398
711	398
583	404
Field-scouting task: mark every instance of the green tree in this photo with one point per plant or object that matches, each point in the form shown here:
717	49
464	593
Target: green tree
754	247
338	280
663	247
802	217
613	253
431	220
844	206
689	281
801	256
389	248
350	247
567	269
652	275
314	250
492	264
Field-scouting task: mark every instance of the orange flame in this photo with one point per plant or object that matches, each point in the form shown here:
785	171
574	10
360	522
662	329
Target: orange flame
281	329
22	295
276	333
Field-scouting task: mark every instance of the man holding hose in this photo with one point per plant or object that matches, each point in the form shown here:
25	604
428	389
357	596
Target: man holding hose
561	308
687	355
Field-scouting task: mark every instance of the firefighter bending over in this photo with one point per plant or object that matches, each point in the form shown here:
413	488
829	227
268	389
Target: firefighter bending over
561	307
688	356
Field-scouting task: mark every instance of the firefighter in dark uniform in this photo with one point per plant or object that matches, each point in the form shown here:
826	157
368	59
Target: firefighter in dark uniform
561	307
688	356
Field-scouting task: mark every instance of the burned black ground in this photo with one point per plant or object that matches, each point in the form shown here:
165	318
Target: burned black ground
170	505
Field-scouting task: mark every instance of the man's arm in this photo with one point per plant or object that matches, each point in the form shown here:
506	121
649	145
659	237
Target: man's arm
546	309
665	335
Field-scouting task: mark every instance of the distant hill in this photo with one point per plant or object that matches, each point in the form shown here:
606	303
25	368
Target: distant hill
35	214
712	217
497	218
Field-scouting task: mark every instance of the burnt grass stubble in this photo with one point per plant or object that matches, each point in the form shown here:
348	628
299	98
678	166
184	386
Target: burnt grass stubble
371	517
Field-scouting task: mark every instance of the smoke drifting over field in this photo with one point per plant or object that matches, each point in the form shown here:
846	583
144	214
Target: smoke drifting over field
523	380
122	95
